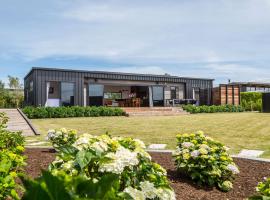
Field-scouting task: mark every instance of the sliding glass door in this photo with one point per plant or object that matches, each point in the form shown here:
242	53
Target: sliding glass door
96	92
67	94
158	95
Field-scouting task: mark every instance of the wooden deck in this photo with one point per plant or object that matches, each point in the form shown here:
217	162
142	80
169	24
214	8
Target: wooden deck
17	122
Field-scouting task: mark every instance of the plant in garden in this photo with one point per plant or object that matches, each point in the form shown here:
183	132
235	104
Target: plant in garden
49	187
62	137
95	157
212	109
263	190
206	161
251	101
72	111
12	160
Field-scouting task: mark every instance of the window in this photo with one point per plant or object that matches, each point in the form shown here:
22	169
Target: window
173	92
112	95
158	93
96	94
96	90
67	94
31	86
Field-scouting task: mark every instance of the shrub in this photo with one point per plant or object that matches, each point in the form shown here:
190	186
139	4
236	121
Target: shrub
206	161
11	148
62	137
263	190
251	101
49	187
212	109
95	157
74	111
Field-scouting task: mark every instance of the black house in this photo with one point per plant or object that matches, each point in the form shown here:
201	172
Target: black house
64	87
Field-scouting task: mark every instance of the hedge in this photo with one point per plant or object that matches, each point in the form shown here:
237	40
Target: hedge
251	101
212	109
74	111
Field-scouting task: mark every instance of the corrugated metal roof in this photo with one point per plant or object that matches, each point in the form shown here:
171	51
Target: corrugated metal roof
121	75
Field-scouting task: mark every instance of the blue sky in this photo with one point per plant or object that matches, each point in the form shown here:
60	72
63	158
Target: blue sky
221	39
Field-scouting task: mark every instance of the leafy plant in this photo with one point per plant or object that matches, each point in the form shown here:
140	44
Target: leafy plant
49	187
97	156
73	111
212	109
251	101
62	137
12	160
206	161
263	190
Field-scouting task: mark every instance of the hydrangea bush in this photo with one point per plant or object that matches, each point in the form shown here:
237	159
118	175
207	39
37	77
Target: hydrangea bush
62	137
206	161
263	190
97	156
11	159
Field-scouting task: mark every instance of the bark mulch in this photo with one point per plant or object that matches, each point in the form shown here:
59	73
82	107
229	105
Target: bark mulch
251	172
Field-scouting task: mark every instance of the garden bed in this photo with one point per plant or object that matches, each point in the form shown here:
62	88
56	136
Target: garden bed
251	173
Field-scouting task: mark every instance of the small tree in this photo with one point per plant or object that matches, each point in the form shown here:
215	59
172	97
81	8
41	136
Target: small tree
14	83
2	85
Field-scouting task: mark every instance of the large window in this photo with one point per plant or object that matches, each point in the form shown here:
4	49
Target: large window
67	94
158	93
96	90
173	92
113	95
158	96
96	94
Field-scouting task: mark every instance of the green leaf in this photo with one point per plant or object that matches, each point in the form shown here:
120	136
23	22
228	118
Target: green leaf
55	187
106	188
46	188
83	158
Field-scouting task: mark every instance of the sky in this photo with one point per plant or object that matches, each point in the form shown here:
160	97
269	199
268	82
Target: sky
220	39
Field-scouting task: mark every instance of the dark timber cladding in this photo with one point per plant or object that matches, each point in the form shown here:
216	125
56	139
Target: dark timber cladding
35	82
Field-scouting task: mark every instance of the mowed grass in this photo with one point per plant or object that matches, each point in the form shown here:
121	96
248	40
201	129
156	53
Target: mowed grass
236	130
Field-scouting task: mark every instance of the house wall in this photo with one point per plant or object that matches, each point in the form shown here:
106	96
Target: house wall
226	95
41	76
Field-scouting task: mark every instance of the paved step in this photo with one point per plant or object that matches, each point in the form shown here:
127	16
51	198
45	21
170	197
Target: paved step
17	122
155	111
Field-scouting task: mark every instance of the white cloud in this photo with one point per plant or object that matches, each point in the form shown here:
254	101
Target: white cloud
141	70
152	33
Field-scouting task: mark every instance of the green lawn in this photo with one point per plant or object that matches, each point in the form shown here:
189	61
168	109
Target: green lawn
236	130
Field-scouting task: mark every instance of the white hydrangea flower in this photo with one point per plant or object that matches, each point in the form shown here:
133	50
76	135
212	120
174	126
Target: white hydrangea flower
63	130
99	146
148	189
121	159
195	154
51	134
134	193
143	153
177	152
209	138
139	143
165	194
68	165
233	169
83	141
226	148
204	146
187	144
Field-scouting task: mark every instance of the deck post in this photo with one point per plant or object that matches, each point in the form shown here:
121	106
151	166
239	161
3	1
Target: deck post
150	96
